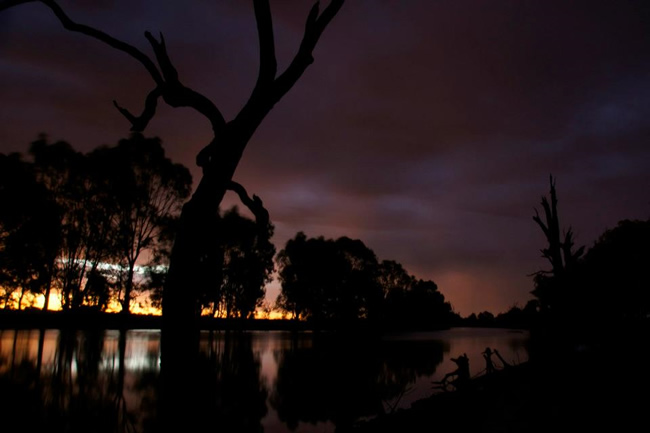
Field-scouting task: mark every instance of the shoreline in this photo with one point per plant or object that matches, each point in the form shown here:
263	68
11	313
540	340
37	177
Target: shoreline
89	319
580	390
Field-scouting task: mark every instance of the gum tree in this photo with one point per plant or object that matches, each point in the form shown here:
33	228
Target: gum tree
220	157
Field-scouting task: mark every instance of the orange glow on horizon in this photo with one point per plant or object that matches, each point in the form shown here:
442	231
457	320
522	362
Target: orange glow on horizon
138	307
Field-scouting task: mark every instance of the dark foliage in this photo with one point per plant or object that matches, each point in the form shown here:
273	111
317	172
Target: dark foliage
586	297
243	264
67	215
341	282
30	227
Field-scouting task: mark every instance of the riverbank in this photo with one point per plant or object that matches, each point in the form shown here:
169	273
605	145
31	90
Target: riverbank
595	389
88	319
81	319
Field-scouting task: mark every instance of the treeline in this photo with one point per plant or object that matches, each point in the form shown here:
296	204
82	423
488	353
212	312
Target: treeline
97	229
587	294
342	282
80	223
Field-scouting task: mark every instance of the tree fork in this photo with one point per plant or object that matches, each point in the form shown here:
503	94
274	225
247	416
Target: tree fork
218	160
221	156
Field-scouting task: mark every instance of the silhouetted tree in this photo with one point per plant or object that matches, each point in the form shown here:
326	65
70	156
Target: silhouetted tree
517	317
342	281
29	230
158	263
361	294
239	287
328	280
392	276
614	278
428	306
148	190
85	217
410	303
112	201
486	318
221	156
583	298
97	293
218	159
394	282
553	288
72	213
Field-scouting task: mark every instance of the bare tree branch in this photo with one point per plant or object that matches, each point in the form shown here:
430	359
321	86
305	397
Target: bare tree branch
541	224
168	85
160	50
68	24
139	123
261	102
176	94
254	204
268	61
313	30
548	214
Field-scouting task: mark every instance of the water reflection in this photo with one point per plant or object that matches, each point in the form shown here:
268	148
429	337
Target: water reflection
339	381
276	382
231	390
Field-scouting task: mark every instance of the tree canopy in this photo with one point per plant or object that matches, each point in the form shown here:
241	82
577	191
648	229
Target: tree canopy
235	286
342	282
30	227
147	191
585	295
84	220
615	279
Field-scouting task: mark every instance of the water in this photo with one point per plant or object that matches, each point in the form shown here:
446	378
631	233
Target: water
271	381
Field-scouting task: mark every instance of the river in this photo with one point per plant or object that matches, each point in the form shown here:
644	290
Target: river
270	381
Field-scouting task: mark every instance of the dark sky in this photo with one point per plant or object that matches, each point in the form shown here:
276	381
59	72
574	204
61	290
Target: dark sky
426	128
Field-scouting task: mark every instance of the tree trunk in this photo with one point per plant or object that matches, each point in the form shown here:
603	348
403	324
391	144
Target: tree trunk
190	258
48	289
20	299
191	252
128	288
48	286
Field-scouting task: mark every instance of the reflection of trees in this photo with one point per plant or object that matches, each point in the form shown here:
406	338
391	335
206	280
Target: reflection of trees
147	387
89	388
231	391
21	408
85	399
402	363
78	392
123	420
222	392
340	381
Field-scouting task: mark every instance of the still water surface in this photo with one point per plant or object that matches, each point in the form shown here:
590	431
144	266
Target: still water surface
270	381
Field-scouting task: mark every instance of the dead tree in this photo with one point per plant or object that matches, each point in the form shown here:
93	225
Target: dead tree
559	251
220	157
